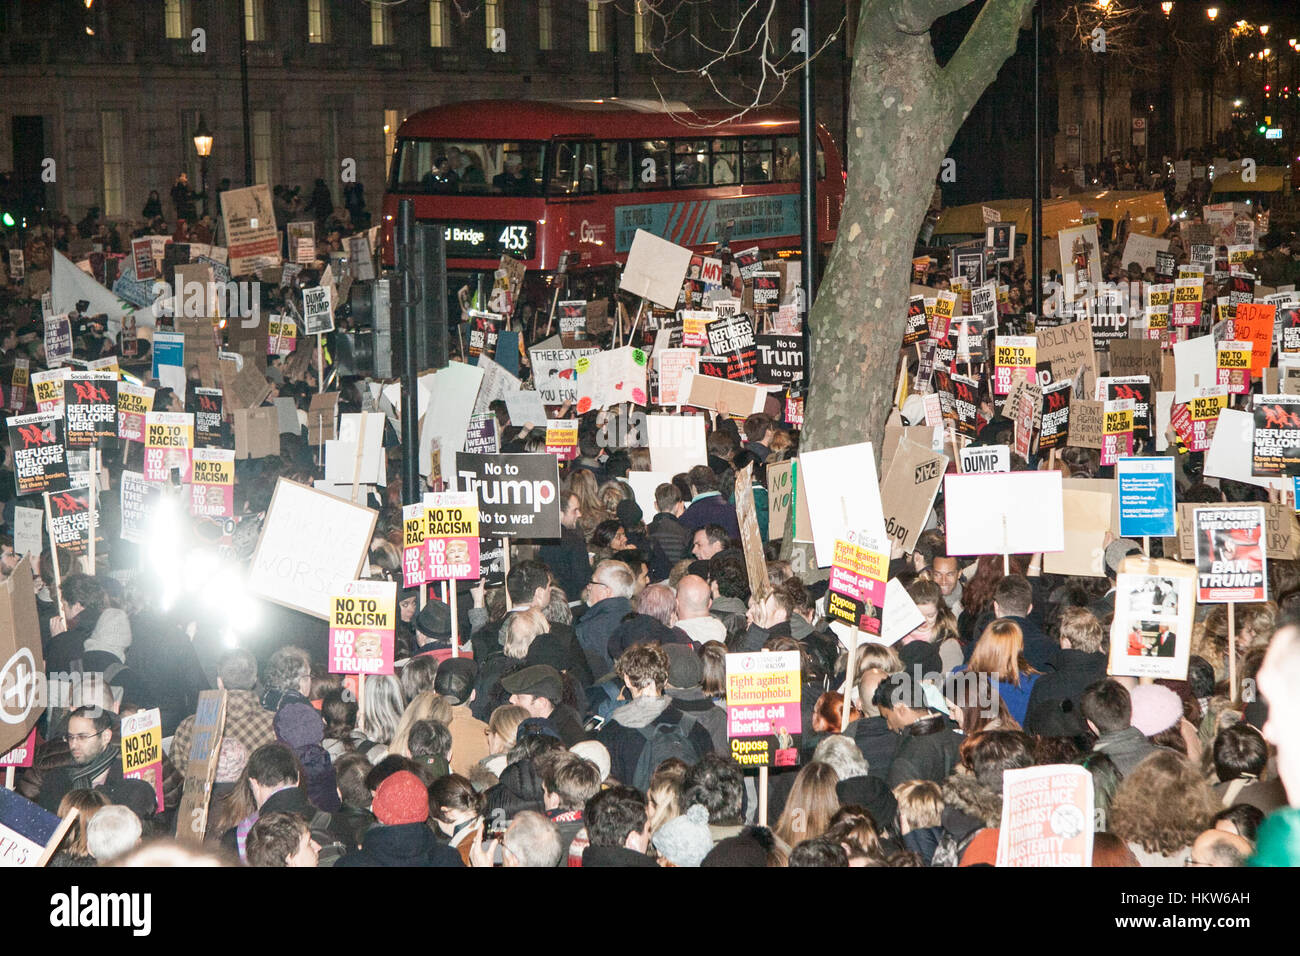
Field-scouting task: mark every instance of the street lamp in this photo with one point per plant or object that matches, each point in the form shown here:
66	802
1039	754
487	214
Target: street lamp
1263	29
1212	13
203	146
1167	8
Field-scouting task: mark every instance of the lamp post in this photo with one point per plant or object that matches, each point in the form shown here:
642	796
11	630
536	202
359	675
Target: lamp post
203	146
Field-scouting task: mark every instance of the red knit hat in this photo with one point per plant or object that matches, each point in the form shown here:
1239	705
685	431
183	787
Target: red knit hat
401	798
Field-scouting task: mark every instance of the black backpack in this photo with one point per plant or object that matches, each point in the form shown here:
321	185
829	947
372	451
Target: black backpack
663	742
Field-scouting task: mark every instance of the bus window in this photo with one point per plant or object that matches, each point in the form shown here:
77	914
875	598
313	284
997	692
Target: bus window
726	164
690	162
758	160
650	164
574	169
787	159
616	167
433	166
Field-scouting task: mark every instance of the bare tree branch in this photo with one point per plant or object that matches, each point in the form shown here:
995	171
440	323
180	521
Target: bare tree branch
989	43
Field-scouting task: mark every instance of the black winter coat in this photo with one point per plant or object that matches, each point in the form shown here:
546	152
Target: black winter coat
407	844
519	789
1053	708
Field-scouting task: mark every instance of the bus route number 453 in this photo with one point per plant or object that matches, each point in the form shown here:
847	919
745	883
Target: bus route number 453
514	238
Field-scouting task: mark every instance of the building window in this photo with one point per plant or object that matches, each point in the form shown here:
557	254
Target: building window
262	146
318	22
595	26
641	28
437	21
390	138
111	127
381	32
491	19
545	40
255	20
176	19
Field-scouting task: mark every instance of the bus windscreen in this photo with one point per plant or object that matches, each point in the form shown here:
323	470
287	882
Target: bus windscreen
468	167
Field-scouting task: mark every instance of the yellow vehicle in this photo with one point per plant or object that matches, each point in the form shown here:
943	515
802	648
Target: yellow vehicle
1146	212
1270	183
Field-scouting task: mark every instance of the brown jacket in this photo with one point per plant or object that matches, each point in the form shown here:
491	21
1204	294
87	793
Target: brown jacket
468	740
246	720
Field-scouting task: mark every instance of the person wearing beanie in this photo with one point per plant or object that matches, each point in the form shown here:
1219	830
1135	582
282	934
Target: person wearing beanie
1107	709
685	687
684	840
301	729
402	836
594	751
1158	713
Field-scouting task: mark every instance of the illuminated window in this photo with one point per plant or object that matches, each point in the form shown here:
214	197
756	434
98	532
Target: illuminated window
544	38
381	33
390	137
595	26
255	20
437	23
111	128
176	18
318	22
262	146
491	18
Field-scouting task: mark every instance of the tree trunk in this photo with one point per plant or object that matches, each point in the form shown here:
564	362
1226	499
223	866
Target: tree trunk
904	112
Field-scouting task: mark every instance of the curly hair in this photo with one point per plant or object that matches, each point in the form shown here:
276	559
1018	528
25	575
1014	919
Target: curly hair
1163	805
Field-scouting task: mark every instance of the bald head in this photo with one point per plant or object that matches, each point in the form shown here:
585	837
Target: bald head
1279	682
694	597
1218	848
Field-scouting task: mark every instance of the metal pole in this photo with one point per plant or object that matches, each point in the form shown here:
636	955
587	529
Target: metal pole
405	243
1037	251
243	90
614	41
808	183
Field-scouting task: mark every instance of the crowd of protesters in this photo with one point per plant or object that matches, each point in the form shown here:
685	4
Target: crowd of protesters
588	728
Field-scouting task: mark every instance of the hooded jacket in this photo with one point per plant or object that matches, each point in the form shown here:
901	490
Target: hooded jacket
969	807
1054	702
701	630
623	738
928	750
519	788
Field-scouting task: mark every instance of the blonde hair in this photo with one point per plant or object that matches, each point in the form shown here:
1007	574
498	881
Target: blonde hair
665	790
1000	653
505	721
426	706
811	805
878	656
521	630
87	803
920	804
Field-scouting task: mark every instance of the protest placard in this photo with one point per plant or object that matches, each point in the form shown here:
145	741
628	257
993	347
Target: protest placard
453	391
669	366
779	360
857	586
29	834
168	445
28	531
311	545
842	491
138	498
732	337
705	391
1146	497
1016	513
676	442
1117	429
481	435
205	750
451	529
1276	437
90	408
1195	421
1231	452
781	478
1232	366
47	388
1186	307
21	660
40	457
1047	817
911	482
257	434
553	373
1054	422
517	494
209	422
1230	560
655	269
212	487
1013	355
134	402
317	310
985	459
142	750
1151	633
764	722
1135	388
22	755
1281	531
251	238
1253	322
415	528
68	514
363	622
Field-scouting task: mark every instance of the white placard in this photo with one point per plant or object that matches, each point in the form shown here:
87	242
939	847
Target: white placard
676	443
1195	366
311	546
1232	450
643	485
843	492
985	459
452	391
655	269
1016	513
525	408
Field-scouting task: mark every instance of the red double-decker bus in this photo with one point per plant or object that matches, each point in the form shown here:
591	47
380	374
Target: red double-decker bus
539	179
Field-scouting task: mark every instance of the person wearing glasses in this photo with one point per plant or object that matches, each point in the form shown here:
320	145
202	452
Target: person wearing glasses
96	751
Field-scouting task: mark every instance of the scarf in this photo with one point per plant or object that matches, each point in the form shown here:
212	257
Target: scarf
83	776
